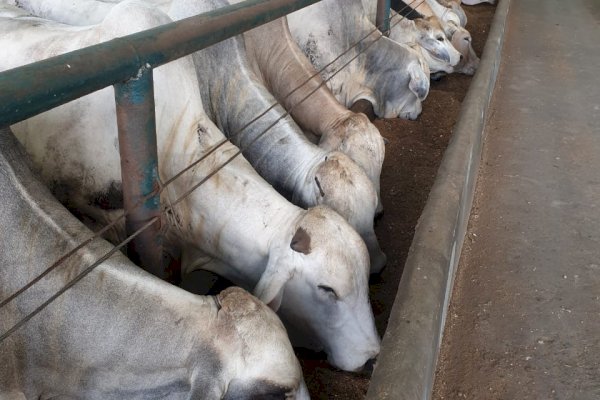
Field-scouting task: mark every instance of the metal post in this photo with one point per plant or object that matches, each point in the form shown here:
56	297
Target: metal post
382	20
139	168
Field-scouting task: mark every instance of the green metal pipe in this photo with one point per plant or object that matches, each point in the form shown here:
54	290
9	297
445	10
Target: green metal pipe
139	170
31	89
382	18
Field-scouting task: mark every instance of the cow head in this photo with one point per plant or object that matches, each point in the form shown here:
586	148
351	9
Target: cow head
440	54
399	77
257	358
339	183
461	40
323	270
357	137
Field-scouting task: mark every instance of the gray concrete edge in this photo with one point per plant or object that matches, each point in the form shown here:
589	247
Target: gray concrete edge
406	365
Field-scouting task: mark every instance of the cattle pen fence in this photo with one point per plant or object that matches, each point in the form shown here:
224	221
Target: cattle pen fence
127	63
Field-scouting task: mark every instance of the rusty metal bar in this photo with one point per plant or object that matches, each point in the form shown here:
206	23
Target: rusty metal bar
382	18
31	89
139	169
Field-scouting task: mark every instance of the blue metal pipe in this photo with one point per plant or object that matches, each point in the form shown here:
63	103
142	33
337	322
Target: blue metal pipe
382	19
139	169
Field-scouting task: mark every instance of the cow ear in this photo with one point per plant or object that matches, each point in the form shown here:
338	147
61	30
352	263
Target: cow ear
270	286
419	81
301	242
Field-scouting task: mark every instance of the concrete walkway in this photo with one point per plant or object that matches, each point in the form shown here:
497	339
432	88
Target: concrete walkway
524	321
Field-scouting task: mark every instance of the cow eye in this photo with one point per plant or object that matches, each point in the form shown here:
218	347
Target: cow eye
468	39
327	289
440	38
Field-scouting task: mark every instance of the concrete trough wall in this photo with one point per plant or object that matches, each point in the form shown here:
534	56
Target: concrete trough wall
407	362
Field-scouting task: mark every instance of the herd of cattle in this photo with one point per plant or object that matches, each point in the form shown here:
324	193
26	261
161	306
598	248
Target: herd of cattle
291	220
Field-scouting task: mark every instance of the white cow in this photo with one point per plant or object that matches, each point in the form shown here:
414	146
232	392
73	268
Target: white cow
282	67
121	333
462	41
425	35
393	77
451	23
235	224
448	11
305	174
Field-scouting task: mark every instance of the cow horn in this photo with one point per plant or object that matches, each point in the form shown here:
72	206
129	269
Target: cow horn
301	242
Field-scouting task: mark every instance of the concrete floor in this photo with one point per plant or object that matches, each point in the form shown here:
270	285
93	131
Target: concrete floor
524	321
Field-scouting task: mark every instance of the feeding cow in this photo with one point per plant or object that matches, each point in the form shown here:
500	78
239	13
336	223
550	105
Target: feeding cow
425	35
389	75
282	67
305	174
234	224
120	333
459	36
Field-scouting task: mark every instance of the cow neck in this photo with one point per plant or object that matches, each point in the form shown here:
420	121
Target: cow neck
424	9
357	17
284	68
237	97
206	220
29	199
405	32
355	77
390	86
116	294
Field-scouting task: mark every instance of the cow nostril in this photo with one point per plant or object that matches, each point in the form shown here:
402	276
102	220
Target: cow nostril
461	57
369	366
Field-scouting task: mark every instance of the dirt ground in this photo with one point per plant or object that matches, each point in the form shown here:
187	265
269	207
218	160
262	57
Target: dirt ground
413	155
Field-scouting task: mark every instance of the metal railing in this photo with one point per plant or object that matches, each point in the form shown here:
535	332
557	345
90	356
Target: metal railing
127	63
